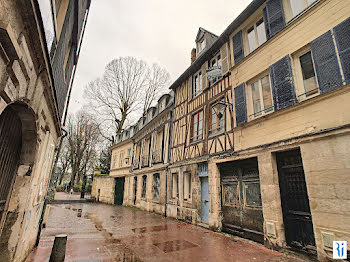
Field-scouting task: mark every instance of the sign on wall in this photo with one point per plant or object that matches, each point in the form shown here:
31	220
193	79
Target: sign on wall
214	72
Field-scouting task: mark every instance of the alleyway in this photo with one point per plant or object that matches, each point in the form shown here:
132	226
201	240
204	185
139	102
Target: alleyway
115	233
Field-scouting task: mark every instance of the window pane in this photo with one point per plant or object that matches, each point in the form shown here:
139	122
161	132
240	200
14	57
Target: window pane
200	125
297	6
266	92
251	40
213	121
200	83
194	126
252	193
196	85
260	28
256	97
309	2
231	194
308	72
213	62
219	61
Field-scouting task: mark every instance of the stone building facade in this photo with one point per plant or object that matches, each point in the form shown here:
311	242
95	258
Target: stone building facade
39	49
261	127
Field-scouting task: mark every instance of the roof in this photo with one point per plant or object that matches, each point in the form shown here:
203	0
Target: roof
197	64
201	32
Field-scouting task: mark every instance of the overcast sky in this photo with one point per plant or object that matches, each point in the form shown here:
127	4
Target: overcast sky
157	31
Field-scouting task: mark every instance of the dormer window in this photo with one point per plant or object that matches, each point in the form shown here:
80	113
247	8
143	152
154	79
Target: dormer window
201	45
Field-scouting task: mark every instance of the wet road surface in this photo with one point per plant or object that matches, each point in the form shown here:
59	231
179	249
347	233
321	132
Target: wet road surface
99	232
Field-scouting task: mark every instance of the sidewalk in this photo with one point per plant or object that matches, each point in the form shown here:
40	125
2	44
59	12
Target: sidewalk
115	233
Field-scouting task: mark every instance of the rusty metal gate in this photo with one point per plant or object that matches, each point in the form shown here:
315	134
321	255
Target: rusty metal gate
295	201
10	149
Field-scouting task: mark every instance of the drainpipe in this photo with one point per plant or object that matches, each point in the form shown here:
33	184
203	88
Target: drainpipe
51	183
167	167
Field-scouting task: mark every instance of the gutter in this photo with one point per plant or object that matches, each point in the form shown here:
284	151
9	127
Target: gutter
169	157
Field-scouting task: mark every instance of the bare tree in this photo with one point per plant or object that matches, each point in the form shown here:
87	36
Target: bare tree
63	162
127	86
83	138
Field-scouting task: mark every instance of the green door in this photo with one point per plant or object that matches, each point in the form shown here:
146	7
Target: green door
119	191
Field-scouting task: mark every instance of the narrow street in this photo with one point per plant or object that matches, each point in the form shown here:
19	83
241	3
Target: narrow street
102	232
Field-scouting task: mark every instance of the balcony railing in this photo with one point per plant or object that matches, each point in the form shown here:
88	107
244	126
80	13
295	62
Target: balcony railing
157	156
145	161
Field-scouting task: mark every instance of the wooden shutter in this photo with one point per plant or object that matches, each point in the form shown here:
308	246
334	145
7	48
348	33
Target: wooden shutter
238	50
342	37
240	105
326	63
275	16
267	29
282	83
224	59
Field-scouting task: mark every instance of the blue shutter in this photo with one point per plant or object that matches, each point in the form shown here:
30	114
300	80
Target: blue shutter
240	105
342	37
326	63
266	23
275	16
238	51
282	84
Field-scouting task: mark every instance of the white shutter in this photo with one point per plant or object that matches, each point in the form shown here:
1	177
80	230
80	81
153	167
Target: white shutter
224	59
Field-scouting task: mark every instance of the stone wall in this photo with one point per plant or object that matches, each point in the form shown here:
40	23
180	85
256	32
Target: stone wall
103	189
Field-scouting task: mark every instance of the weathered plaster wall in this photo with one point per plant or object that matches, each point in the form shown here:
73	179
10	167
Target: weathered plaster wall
103	189
32	97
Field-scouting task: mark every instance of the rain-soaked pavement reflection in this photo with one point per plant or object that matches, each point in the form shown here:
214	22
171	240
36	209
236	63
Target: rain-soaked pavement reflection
98	232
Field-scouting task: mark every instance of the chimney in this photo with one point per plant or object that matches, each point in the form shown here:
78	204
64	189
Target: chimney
193	55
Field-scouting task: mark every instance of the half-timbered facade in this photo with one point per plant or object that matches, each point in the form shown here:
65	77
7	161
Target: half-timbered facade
260	141
146	182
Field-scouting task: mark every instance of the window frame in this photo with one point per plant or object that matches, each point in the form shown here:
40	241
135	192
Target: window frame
217	58
174	187
211	133
256	35
144	187
196	91
187	198
198	137
156	187
288	11
300	90
263	112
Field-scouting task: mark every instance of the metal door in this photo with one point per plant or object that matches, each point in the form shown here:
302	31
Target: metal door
135	189
10	149
119	191
204	199
295	201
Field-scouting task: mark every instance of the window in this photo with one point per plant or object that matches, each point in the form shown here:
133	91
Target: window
295	7
144	186
201	45
217	118
127	159
215	63
308	73
256	35
306	82
252	193
187	183
156	186
197	126
175	186
197	84
261	97
231	194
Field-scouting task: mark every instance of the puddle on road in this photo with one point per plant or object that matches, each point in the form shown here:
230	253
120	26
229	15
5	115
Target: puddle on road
119	250
154	228
174	245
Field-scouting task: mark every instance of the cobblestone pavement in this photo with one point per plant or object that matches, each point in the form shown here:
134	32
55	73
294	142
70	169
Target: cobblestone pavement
99	232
